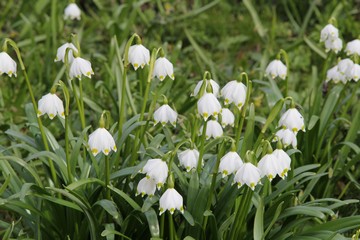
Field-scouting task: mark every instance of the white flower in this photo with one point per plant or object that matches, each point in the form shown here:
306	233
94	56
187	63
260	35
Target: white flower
344	65
334	74
101	141
61	51
189	158
146	186
213	129
80	66
269	166
227	117
171	200
333	45
157	170
7	64
165	114
234	92
208	105
214	85
283	162
72	11
163	67
353	72
329	32
276	69
353	47
287	137
292	120
247	174
230	163
139	56
52	105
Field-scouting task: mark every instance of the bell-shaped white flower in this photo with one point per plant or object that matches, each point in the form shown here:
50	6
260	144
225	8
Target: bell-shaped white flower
353	47
283	162
227	117
163	68
344	65
52	105
334	45
79	67
157	170
234	92
329	32
353	72
7	64
189	158
287	137
146	186
247	174
334	75
213	129
208	105
171	200
139	56
292	120
276	69
61	51
72	11
101	141
269	166
215	87
165	114
230	163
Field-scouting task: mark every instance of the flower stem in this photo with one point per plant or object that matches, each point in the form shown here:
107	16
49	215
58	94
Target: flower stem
107	177
41	128
202	147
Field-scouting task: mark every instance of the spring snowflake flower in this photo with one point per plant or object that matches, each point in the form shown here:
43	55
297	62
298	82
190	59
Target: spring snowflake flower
227	117
230	163
292	120
329	32
334	45
7	64
189	159
247	174
52	105
234	92
146	186
208	105
287	137
72	11
213	129
101	141
269	166
165	114
214	85
163	68
171	200
353	47
334	75
276	69
61	51
80	66
157	170
353	72
344	65
283	162
139	56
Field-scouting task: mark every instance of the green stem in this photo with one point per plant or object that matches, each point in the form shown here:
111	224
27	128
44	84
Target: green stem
202	147
107	177
82	113
41	128
171	226
162	225
68	162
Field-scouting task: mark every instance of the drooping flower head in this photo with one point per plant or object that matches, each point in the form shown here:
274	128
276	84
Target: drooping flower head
276	69
268	166
334	75
7	64
334	45
101	141
292	120
227	117
163	68
353	47
230	163
139	56
208	105
213	129
72	11
234	92
52	105
61	51
329	32
283	162
79	67
171	200
247	174
165	114
344	65
189	158
157	170
215	87
286	137
353	73
146	186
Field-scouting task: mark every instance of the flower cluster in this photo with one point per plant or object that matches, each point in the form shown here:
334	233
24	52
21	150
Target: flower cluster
330	35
